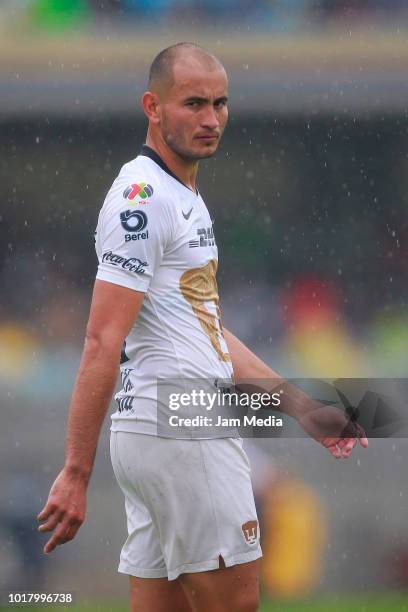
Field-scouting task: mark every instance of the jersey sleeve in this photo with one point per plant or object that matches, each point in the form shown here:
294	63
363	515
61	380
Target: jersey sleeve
131	237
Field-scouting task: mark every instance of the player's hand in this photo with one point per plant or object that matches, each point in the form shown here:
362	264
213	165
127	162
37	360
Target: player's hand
64	511
334	429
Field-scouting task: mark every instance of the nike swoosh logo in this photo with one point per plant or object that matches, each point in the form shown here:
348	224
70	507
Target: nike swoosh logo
187	215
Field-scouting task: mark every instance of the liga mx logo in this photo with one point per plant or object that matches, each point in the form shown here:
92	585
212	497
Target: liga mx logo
141	190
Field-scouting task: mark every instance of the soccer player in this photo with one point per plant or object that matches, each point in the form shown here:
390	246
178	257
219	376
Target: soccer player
193	540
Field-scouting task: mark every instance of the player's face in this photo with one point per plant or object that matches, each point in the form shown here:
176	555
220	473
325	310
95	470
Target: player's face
194	113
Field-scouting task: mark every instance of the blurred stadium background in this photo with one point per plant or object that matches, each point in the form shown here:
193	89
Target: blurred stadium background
309	193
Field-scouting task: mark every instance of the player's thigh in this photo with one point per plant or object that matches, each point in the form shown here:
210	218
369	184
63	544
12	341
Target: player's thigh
227	589
158	595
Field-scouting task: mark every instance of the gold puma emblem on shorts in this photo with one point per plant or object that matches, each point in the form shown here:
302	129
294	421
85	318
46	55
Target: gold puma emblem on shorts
250	531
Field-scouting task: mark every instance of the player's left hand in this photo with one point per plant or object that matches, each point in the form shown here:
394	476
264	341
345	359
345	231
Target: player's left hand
334	429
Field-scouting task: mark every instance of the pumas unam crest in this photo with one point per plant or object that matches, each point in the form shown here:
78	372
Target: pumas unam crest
139	190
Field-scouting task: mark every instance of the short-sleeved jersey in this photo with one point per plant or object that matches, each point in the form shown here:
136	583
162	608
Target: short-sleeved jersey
155	235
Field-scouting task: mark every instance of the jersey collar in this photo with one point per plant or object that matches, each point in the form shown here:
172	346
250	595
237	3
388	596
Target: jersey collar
147	151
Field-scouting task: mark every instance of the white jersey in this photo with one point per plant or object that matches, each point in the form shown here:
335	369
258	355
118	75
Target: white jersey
156	236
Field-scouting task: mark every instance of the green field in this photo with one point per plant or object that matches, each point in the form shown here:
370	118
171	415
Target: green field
380	603
372	603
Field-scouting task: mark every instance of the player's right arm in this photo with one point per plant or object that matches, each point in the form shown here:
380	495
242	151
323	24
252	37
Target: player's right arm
130	241
114	310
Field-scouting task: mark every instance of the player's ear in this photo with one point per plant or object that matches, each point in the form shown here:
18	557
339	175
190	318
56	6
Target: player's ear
151	106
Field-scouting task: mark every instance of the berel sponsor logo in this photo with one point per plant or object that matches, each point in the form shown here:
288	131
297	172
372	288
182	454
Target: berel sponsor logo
141	236
132	264
133	220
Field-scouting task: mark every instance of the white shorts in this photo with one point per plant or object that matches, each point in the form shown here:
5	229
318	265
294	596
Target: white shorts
188	502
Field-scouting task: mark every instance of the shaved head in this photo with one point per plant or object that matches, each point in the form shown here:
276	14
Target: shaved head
161	74
186	102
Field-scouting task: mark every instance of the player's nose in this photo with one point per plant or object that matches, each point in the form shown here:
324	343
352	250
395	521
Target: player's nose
209	119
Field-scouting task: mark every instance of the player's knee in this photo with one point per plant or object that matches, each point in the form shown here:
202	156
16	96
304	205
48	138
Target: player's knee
246	601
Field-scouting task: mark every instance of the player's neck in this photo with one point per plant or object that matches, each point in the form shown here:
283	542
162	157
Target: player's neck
186	171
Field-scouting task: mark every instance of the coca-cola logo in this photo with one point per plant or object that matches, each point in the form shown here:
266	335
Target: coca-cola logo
133	264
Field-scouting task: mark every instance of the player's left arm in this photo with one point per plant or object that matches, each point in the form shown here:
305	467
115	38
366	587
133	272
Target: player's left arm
326	424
